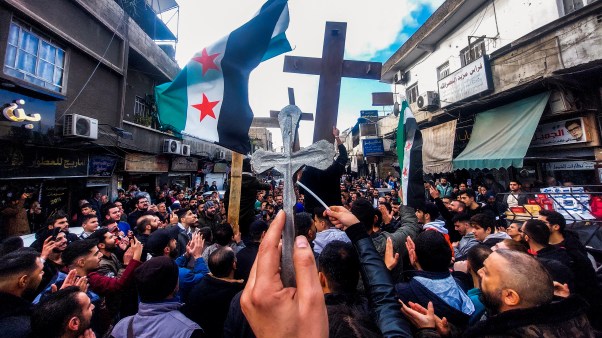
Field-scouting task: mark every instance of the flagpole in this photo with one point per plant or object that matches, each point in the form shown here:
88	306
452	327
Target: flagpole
235	186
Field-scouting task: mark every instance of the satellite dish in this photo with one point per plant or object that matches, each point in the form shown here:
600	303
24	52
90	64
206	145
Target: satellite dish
396	108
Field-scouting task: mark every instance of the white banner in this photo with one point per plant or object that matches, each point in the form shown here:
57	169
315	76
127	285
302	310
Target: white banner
571	165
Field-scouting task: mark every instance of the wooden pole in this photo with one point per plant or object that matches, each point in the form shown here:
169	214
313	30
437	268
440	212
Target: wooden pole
235	185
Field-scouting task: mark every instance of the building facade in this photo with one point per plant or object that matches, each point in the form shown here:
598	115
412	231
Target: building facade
506	87
77	89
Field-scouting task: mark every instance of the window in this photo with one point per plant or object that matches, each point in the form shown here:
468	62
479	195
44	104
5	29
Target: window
443	71
472	52
33	58
412	93
572	5
142	113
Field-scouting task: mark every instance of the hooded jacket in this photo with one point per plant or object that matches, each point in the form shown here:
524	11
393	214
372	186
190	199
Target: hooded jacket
161	319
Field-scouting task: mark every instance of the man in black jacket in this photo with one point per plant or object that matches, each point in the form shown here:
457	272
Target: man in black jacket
519	294
248	195
20	274
325	183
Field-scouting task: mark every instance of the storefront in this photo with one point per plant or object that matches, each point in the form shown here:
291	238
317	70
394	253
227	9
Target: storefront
183	171
143	171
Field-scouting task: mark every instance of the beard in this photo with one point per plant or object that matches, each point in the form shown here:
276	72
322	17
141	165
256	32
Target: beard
492	302
173	254
29	294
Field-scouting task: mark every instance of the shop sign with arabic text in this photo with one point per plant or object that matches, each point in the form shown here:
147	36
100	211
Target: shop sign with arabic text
468	81
560	132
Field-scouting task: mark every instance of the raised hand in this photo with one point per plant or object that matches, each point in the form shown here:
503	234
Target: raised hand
391	257
49	245
275	311
136	247
411	250
341	217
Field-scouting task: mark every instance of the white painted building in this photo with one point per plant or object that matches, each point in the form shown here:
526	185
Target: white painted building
473	59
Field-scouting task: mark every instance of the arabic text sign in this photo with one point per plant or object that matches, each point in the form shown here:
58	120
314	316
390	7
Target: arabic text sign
560	132
467	81
368	113
101	165
571	165
373	147
26	162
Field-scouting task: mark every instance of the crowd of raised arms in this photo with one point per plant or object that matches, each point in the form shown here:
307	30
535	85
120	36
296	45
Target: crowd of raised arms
168	264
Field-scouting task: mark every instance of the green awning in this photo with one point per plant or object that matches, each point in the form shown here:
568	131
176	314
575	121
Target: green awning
501	136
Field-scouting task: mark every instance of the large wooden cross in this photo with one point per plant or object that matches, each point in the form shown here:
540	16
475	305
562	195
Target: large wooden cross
272	121
331	68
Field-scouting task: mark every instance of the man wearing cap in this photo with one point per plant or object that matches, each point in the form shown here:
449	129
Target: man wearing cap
186	221
210	215
163	242
158	312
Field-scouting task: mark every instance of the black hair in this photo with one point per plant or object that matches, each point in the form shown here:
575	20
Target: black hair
77	249
51	316
223	234
554	218
537	231
107	207
477	255
340	264
86	205
256	229
468	192
221	261
182	212
10	244
388	206
86	218
461	217
303	222
106	222
207	235
138	198
99	235
433	251
484	220
18	261
364	211
352	321
55	217
569	122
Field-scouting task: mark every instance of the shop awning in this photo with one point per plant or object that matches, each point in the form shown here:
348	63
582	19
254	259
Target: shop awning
501	136
438	147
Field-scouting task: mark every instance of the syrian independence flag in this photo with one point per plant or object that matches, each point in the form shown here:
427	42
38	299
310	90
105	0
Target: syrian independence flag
209	98
409	155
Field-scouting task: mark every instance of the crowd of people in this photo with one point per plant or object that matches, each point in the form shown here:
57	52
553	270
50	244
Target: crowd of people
168	264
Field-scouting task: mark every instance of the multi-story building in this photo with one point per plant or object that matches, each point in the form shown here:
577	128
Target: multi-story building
77	88
261	138
507	87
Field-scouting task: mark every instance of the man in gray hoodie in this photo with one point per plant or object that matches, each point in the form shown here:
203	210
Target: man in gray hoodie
462	225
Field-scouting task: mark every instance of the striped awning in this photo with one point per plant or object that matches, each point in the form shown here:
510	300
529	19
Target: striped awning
438	147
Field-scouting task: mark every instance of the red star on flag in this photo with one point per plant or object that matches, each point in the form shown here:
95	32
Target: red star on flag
408	145
206	107
206	60
405	172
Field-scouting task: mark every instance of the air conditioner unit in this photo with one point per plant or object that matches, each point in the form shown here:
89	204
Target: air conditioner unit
220	155
171	146
401	77
75	125
185	149
428	100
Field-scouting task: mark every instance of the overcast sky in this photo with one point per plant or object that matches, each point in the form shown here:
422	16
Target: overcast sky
375	30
